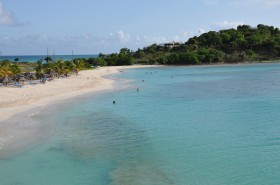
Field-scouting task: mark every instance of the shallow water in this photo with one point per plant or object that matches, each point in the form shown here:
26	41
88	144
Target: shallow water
186	125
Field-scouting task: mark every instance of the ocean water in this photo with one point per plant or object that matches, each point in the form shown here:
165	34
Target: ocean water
35	58
205	125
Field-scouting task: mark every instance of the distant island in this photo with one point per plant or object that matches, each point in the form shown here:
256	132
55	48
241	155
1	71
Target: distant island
246	43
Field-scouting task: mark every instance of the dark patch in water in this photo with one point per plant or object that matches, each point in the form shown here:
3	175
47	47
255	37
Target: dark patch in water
105	136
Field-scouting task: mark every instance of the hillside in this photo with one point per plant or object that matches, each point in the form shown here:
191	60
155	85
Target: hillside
245	43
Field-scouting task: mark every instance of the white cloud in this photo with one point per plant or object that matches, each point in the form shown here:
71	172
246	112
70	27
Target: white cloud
37	44
227	24
138	38
183	36
201	31
83	43
271	2
7	18
119	37
266	2
177	38
243	2
154	39
123	37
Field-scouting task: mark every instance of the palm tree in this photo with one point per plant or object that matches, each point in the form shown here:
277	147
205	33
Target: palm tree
60	67
40	67
2	73
14	69
80	65
69	68
8	71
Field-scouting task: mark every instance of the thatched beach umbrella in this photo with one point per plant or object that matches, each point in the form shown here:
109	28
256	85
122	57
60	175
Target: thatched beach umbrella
6	81
30	76
42	77
22	79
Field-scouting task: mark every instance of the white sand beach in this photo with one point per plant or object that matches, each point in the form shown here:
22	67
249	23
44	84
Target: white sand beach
16	101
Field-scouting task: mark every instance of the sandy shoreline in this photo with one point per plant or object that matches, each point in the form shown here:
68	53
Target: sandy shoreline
17	105
17	100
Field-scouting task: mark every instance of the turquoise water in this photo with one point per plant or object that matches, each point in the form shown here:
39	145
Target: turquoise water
35	58
206	125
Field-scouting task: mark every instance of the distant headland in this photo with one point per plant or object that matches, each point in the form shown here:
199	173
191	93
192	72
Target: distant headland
246	43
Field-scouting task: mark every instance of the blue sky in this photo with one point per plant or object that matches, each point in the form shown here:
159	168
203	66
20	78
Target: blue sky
94	26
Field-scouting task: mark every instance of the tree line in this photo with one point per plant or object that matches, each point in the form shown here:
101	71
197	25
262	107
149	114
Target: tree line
245	43
43	69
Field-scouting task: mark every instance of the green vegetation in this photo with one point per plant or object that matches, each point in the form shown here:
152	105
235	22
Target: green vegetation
226	46
124	57
15	72
243	44
59	68
8	69
12	72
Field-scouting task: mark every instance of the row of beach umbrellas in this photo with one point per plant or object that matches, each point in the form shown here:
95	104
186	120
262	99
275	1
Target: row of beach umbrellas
19	78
